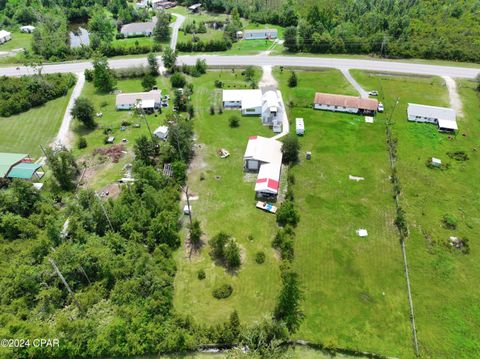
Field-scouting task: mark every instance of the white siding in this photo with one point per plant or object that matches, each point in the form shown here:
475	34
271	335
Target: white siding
255	111
422	119
335	108
232	104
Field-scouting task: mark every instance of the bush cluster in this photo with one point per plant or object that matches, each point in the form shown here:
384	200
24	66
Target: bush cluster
19	94
222	291
204	46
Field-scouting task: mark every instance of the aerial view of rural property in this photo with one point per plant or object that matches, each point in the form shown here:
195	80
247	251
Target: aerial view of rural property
229	179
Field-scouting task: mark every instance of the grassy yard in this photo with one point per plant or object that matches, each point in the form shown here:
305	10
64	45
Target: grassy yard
211	34
354	287
226	202
256	26
444	282
203	16
113	119
25	132
20	40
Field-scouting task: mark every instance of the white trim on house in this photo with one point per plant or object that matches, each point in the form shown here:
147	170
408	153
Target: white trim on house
260	34
148	100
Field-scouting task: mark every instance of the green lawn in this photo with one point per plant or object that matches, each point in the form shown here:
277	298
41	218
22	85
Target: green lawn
20	40
132	41
226	203
444	282
255	26
203	16
354	287
211	34
25	132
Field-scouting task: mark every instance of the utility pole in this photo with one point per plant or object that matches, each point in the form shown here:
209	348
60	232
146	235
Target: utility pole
188	204
54	265
141	113
104	211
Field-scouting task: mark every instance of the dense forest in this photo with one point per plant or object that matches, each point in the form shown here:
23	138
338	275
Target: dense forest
437	29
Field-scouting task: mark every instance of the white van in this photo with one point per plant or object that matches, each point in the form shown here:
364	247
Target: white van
300	128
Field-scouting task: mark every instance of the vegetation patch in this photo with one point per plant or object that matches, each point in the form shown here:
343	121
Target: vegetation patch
222	291
460	156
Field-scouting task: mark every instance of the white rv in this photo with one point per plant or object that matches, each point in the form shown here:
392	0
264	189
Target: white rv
300	127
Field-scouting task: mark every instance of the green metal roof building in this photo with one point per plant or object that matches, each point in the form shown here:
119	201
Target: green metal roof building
18	165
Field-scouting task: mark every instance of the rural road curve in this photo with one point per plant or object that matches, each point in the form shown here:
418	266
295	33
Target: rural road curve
176	27
263	60
349	77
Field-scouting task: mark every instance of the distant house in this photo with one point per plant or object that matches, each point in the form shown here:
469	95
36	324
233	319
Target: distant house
27	28
443	117
195	8
139	28
5	36
342	103
163	4
264	155
248	101
19	165
148	101
260	34
142	4
161	132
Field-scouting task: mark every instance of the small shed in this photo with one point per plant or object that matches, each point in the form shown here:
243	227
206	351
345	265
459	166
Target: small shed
27	28
362	232
436	162
195	8
239	34
368	119
299	126
110	139
187	209
161	132
5	36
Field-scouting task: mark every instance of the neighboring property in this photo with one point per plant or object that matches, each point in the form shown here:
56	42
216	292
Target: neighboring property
271	108
264	155
27	28
149	101
142	4
260	34
342	103
248	101
443	117
139	28
5	36
161	132
195	8
163	4
19	165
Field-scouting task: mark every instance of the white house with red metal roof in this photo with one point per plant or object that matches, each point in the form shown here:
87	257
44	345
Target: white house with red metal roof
265	156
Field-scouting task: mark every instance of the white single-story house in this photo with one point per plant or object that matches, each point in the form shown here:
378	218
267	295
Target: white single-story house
264	155
248	101
271	108
146	100
443	117
27	28
139	28
342	103
260	34
161	132
5	36
163	4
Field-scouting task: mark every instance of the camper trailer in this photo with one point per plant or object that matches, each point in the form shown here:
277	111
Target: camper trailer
300	127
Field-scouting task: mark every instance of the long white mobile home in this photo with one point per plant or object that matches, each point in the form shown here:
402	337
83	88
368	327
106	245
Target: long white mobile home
443	117
260	34
342	103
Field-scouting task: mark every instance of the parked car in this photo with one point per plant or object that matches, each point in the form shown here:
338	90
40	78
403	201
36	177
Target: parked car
373	93
380	107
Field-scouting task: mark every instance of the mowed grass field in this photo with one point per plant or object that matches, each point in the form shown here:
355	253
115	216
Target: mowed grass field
444	282
225	203
355	292
26	131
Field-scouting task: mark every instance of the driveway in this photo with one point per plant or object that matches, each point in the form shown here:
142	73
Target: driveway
175	29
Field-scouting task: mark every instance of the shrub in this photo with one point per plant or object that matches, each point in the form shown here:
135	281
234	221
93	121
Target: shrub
201	274
449	221
292	81
232	254
148	82
178	80
84	111
283	241
260	257
88	75
212	110
218	84
217	243
287	214
290	149
223	291
82	143
458	155
234	121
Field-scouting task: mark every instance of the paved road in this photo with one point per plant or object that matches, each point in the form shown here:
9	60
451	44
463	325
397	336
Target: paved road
218	60
176	27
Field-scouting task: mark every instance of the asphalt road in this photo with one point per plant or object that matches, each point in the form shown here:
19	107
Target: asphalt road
265	60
